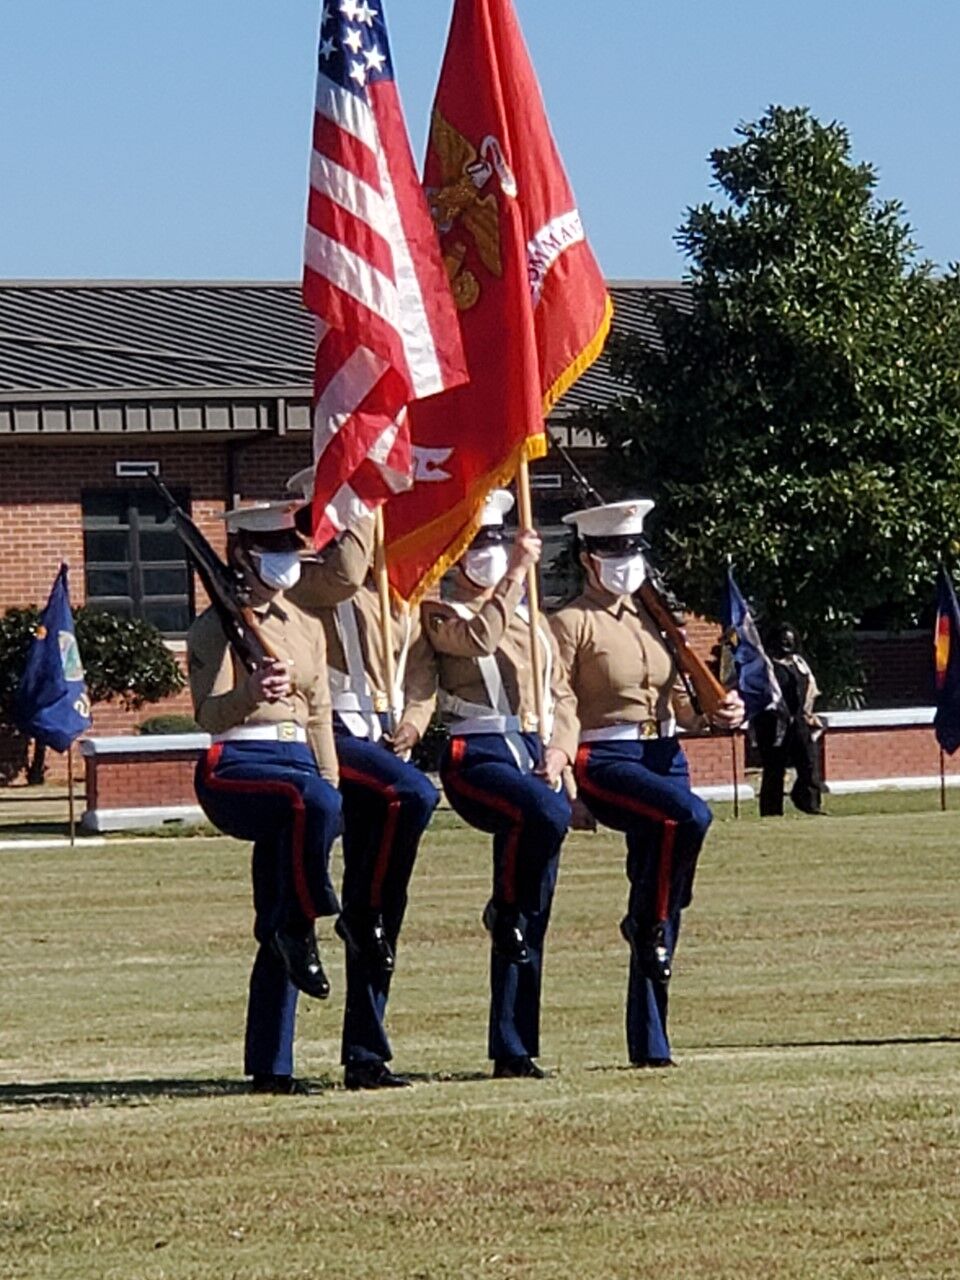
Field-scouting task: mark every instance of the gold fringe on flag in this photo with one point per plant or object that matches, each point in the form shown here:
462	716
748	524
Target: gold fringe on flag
581	363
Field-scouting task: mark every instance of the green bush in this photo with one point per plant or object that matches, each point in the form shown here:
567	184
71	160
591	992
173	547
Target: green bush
158	725
125	660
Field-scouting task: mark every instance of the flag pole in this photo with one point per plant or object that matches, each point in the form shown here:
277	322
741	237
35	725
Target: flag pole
386	613
736	773
533	595
70	797
943	782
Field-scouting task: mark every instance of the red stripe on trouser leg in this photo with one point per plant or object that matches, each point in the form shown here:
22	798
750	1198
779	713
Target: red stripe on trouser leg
262	787
385	849
665	871
667	838
508	877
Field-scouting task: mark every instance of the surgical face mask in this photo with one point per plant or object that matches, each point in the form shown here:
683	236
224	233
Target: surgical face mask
621	575
277	569
485	566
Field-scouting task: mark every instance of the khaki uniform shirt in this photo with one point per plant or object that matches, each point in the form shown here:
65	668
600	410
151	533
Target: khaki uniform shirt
496	628
221	700
218	684
619	665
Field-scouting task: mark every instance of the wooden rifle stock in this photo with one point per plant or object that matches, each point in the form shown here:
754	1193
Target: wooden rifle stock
222	585
710	692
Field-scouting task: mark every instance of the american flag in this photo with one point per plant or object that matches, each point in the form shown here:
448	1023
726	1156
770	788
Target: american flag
387	328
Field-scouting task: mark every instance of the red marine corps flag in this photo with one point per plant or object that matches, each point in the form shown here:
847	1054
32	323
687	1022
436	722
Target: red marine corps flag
387	331
533	306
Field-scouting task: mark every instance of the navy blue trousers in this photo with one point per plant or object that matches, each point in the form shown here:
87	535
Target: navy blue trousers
528	822
643	789
272	793
387	804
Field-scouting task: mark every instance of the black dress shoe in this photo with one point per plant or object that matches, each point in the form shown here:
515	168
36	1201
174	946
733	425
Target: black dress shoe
503	925
522	1068
649	946
367	939
298	952
287	1085
372	1075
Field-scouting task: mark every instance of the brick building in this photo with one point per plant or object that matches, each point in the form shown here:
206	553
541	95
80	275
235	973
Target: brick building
210	382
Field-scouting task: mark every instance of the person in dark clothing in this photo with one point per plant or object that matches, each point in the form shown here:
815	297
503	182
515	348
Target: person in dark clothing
788	736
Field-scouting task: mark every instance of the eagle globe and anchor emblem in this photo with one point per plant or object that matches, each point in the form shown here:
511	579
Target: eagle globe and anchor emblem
464	203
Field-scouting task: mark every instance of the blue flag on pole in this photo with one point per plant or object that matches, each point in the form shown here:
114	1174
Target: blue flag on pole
52	703
946	658
744	656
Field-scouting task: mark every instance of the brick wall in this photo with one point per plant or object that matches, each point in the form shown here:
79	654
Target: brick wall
711	760
890	752
141	781
41	484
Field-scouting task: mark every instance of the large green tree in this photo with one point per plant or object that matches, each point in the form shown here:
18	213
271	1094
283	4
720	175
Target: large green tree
803	415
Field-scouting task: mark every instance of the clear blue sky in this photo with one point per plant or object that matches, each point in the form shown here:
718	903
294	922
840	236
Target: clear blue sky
168	138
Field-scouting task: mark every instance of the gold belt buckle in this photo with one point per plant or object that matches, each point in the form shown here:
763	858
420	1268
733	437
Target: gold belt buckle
381	703
649	729
530	723
287	731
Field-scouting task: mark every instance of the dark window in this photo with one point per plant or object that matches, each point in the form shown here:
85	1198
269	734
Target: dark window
135	562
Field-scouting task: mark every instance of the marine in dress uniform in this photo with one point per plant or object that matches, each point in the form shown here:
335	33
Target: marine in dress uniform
496	771
271	774
387	803
630	769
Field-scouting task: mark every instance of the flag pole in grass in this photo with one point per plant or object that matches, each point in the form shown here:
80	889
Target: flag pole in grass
70	797
946	660
943	782
52	704
736	773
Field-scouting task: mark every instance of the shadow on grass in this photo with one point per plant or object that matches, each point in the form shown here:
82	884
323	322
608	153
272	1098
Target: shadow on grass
860	1042
33	830
855	1042
67	1094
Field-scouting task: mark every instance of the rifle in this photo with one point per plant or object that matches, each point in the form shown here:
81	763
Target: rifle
706	691
224	586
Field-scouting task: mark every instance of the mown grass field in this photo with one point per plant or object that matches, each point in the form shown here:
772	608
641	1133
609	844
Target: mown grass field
812	1130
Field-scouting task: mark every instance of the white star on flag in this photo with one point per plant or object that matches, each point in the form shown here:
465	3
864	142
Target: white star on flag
350	9
358	72
365	14
354	41
328	48
375	59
